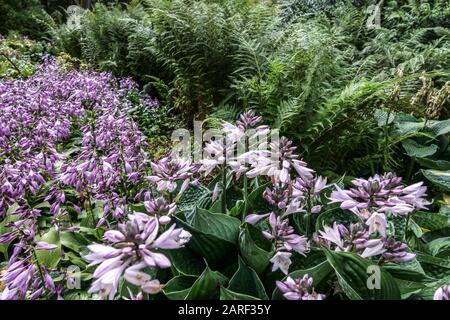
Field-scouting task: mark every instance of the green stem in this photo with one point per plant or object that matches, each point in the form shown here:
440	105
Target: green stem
38	265
410	169
308	215
386	140
244	213
224	189
408	218
13	64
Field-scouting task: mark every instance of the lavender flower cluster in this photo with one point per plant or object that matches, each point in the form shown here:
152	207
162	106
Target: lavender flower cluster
39	117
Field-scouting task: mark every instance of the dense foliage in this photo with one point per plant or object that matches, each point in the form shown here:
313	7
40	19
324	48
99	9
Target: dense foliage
352	202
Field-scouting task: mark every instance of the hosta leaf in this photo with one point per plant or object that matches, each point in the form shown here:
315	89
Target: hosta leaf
434	266
434	164
76	295
73	240
50	258
407	127
246	281
178	287
214	249
252	254
353	275
409	288
410	271
440	127
214	235
216	224
226	294
9	217
207	286
431	220
414	149
186	261
256	202
319	273
430	288
439	178
192	197
381	116
334	215
440	247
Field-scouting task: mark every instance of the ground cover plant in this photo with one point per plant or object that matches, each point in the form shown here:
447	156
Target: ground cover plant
320	169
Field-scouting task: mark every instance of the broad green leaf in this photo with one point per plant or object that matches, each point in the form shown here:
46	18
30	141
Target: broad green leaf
415	228
431	220
192	197
414	149
246	281
254	256
354	274
9	217
178	287
410	271
434	266
226	294
50	258
207	286
214	236
73	240
77	295
439	127
409	288
439	178
434	164
381	116
216	224
256	202
440	247
186	261
337	215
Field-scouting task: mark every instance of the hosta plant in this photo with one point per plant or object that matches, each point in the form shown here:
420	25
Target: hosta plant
86	213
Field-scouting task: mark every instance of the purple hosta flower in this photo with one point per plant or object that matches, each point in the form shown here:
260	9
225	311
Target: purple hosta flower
285	236
278	196
356	239
396	251
215	154
443	293
281	260
255	218
248	120
23	227
353	239
299	289
373	247
278	161
286	241
132	248
160	208
22	280
141	279
382	194
308	187
138	296
316	209
41	112
377	223
168	171
246	126
332	235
